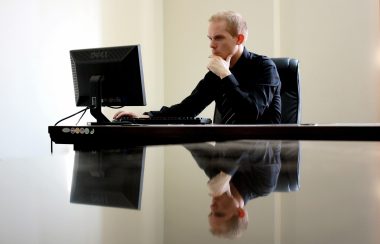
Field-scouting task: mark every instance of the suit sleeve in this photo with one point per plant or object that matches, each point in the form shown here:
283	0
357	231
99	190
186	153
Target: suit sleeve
191	106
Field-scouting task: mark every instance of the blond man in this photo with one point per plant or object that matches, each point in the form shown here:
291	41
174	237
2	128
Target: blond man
245	86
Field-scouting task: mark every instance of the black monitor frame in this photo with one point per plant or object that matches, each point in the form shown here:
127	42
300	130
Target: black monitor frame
108	76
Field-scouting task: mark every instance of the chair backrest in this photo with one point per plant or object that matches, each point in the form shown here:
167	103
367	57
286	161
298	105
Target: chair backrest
289	176
290	89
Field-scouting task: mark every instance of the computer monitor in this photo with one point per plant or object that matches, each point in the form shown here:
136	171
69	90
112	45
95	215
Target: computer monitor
109	76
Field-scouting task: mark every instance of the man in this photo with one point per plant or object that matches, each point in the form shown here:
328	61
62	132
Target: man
239	171
245	86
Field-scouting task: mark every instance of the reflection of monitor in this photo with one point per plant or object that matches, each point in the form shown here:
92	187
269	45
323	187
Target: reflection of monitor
110	76
108	177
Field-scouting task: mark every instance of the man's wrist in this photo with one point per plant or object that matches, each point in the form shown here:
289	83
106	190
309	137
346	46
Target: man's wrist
224	75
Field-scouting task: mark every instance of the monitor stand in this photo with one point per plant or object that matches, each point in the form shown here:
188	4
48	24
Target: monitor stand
96	98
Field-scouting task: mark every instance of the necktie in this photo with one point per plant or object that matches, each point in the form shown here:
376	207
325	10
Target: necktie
227	113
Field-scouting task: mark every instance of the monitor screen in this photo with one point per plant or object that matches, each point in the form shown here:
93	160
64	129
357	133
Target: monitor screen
109	76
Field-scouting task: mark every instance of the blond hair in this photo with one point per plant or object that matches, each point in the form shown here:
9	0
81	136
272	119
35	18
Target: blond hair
235	23
233	228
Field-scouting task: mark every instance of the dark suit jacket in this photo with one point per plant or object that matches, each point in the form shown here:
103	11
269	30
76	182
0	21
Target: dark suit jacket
250	95
254	166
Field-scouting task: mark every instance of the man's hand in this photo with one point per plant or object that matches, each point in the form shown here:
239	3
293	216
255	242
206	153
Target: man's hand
219	66
120	114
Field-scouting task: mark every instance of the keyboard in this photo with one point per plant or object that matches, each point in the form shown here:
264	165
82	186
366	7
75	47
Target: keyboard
160	121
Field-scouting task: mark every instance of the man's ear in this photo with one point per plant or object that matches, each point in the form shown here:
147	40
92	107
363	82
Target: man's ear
240	39
241	212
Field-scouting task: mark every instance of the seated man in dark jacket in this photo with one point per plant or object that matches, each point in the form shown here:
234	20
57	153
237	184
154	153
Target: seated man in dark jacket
245	86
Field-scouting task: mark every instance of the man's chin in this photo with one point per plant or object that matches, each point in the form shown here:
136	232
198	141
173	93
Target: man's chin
219	55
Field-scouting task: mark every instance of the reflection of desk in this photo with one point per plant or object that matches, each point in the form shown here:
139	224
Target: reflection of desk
338	201
173	134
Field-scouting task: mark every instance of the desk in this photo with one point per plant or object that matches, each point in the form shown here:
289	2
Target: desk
322	188
174	134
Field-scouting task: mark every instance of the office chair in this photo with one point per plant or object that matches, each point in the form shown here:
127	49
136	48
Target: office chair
287	68
290	89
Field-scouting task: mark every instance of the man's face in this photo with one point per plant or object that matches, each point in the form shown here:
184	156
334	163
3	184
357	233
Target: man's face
222	43
223	208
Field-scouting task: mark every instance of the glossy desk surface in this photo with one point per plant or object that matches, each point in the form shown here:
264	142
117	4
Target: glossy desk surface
304	191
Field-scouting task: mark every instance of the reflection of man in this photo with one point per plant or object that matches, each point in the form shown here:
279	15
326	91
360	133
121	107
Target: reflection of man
238	172
227	216
245	86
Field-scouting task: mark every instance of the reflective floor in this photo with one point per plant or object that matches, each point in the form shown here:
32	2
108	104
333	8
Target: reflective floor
290	192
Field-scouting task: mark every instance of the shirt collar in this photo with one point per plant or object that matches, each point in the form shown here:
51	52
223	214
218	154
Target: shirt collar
244	56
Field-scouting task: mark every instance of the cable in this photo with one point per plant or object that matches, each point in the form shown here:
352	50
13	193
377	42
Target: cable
83	110
71	116
82	116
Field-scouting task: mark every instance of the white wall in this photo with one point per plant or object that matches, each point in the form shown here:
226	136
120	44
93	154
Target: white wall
37	90
335	43
36	84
